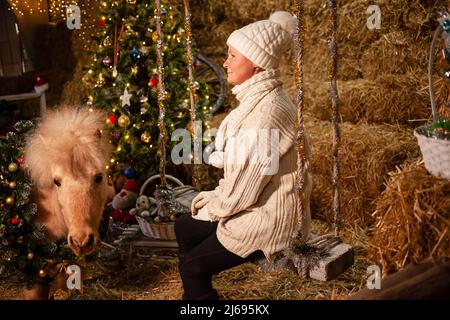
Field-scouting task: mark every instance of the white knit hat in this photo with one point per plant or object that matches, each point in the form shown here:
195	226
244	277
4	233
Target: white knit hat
263	42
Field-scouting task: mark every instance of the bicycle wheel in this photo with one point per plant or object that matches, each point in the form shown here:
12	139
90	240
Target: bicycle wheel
210	73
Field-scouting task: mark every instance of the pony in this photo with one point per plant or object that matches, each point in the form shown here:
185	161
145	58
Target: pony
65	158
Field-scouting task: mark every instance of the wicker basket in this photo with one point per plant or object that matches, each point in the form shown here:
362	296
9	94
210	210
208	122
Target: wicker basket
164	231
436	153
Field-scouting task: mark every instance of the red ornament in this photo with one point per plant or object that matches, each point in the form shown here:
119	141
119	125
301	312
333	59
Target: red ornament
20	160
15	220
101	23
112	119
153	82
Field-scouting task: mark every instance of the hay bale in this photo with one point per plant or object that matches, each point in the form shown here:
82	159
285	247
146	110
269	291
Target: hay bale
394	53
388	99
367	154
411	20
412	219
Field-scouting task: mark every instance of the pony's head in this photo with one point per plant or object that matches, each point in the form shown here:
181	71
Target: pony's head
66	157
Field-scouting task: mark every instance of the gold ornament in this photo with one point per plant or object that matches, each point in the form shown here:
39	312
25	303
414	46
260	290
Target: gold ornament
12	184
114	72
100	80
155	36
107	42
9	200
146	137
30	256
12	167
134	70
42	273
124	121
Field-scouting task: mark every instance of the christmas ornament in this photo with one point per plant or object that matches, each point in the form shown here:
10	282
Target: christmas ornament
100	80
153	81
14	221
101	23
9	200
135	54
145	50
125	98
130	173
114	72
12	167
143	99
42	273
117	134
146	137
30	256
134	70
107	42
107	61
132	2
155	36
12	184
112	119
124	121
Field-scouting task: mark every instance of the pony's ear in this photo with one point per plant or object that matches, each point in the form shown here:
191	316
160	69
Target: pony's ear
44	141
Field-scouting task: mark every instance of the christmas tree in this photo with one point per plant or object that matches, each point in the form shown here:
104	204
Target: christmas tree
123	80
23	244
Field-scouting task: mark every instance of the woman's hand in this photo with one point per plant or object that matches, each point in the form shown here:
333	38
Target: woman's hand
200	201
202	215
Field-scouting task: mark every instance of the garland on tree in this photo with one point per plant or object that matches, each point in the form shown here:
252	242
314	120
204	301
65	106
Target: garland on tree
23	244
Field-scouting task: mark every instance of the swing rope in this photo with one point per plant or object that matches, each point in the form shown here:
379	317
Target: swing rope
162	140
299	123
302	162
332	45
191	87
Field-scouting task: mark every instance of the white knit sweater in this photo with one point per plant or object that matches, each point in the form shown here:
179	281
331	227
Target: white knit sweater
256	210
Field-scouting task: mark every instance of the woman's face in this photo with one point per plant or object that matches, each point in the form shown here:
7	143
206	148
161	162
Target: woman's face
238	67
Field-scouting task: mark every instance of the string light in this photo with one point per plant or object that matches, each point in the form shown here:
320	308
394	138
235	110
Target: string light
57	10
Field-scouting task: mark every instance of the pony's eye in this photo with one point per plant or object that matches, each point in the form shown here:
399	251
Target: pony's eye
98	178
57	182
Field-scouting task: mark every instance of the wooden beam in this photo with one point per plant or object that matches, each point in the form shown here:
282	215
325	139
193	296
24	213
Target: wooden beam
427	280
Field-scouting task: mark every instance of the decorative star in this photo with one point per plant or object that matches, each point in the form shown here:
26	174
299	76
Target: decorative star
125	98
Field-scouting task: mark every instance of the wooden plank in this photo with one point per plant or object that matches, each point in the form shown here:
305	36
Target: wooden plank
154	243
21	96
338	259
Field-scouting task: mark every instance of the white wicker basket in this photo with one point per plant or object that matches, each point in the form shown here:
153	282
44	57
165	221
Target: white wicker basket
436	153
163	231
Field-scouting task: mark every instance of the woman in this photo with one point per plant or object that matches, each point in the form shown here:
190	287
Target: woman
252	211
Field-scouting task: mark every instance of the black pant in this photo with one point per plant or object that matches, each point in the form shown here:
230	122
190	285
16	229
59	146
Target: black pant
201	255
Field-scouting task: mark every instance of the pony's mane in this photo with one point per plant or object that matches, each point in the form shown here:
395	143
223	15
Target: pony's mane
73	137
